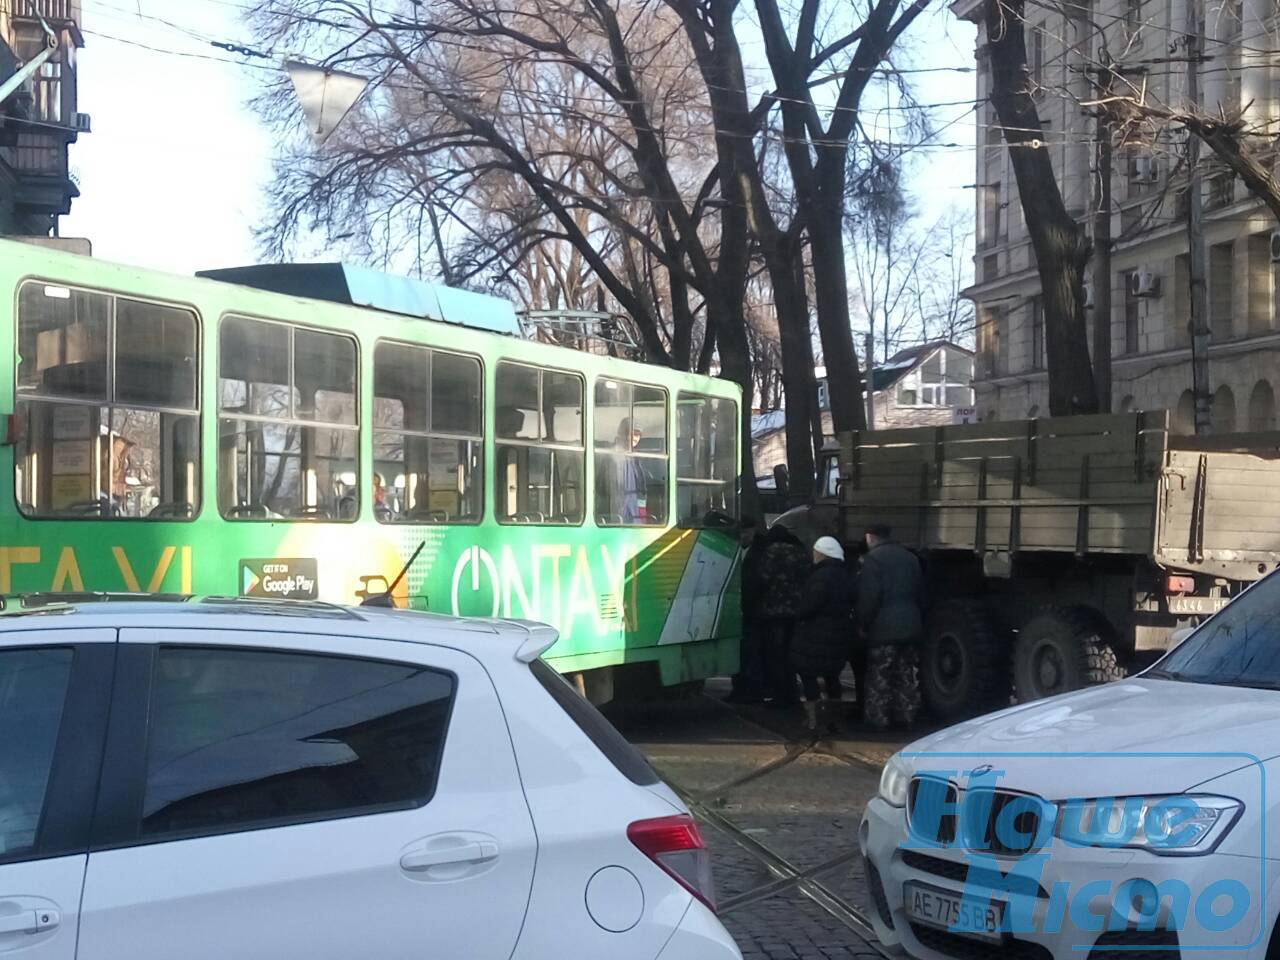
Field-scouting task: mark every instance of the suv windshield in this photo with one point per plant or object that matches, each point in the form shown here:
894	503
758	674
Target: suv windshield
1239	646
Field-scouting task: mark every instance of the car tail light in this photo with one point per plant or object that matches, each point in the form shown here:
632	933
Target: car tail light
676	846
1177	584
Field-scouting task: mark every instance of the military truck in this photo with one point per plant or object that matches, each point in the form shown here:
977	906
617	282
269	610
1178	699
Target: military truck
1058	552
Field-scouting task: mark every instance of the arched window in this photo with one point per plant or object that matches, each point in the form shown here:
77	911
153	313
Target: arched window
1222	415
1126	405
1184	416
1262	407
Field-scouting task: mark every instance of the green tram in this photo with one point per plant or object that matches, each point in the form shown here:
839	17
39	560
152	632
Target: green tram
227	435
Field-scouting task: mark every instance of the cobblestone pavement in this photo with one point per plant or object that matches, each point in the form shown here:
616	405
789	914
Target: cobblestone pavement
801	816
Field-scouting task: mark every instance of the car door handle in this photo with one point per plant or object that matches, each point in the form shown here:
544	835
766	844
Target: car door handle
30	921
475	851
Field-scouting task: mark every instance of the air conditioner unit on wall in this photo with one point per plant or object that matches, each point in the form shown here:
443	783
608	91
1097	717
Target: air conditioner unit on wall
82	122
1144	283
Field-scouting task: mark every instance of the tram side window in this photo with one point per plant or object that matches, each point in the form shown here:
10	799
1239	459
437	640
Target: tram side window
287	428
539	476
630	437
107	391
706	460
427	443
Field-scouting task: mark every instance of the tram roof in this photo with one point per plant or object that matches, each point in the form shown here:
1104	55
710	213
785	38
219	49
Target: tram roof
362	287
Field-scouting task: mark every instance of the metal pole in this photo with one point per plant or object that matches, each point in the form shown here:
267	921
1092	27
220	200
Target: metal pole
1199	321
870	346
1102	249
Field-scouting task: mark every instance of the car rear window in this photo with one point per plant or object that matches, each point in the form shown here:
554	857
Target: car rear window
629	761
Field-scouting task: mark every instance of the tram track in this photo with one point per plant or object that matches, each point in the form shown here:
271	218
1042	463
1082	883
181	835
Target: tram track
708	804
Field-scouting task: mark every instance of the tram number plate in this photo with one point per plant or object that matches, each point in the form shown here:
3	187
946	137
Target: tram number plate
952	912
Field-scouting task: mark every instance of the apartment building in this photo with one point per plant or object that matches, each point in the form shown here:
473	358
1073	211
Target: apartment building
1150	337
40	121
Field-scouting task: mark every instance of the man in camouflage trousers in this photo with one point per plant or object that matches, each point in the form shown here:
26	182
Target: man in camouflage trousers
889	614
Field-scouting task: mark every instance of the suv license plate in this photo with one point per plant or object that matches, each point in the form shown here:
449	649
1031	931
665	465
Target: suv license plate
952	912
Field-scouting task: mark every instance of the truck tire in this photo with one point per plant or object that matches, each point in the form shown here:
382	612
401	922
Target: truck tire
1062	649
964	666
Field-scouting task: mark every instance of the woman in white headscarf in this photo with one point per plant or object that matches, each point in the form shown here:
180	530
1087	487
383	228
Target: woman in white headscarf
824	626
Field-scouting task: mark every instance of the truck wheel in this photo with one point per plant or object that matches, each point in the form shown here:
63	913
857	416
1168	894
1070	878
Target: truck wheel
1062	649
963	662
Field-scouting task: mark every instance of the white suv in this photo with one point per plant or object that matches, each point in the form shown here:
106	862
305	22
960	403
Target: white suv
1136	819
222	778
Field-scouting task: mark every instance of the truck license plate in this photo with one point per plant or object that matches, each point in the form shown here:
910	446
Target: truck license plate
952	912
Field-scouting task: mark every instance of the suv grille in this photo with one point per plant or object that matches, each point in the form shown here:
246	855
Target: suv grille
997	822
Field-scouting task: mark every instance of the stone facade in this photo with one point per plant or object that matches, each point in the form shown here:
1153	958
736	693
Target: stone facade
1150	340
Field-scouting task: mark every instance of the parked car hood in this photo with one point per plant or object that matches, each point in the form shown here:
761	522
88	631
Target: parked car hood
1137	736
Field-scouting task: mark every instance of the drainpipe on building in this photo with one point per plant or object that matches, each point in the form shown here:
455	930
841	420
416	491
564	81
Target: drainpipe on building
1195	233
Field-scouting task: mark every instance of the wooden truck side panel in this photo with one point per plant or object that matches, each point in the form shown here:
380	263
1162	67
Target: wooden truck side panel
1073	485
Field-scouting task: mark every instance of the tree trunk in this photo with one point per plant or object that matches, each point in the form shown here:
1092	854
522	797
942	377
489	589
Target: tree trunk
798	383
1061	248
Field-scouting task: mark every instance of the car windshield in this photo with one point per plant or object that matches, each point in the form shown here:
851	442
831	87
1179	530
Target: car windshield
1239	646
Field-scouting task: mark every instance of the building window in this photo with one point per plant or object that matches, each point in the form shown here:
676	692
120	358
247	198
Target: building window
1037	333
706	460
1221	291
1262	407
287	429
1222	415
1132	318
990	203
629	429
540	475
244	739
107	390
1037	59
427	436
1184	414
1132	16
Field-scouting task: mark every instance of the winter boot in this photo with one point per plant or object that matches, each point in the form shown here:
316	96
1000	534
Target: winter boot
811	716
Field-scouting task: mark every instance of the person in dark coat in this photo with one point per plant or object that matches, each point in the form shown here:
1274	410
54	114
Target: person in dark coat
889	614
824	623
749	681
784	565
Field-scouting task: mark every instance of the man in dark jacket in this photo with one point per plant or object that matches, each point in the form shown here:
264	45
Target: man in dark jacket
889	614
784	565
824	623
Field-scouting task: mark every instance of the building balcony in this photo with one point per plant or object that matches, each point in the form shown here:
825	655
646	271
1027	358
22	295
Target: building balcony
37	163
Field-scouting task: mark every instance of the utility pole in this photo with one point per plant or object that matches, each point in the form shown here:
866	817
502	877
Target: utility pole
1199	322
870	346
1102	245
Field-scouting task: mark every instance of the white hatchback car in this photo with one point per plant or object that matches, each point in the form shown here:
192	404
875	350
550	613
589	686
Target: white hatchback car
1136	819
226	778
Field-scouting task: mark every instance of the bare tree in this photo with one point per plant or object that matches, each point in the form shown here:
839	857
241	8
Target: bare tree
1061	246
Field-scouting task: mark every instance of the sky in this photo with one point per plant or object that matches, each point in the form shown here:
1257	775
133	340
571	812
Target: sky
174	174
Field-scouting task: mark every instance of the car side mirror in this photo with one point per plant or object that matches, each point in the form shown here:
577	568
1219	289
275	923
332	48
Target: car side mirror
1176	638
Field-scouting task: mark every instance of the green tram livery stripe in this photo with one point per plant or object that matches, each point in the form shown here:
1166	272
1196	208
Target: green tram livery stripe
177	435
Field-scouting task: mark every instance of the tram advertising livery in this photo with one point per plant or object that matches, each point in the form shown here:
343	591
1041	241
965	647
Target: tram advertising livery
304	431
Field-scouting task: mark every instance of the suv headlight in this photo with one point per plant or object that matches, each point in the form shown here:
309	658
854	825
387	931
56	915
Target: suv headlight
894	780
1177	825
